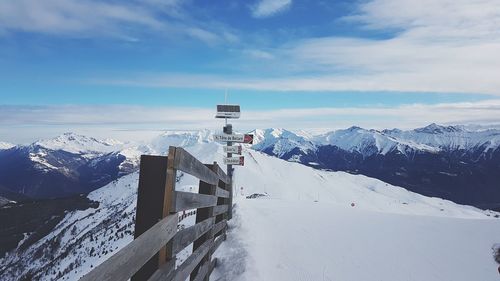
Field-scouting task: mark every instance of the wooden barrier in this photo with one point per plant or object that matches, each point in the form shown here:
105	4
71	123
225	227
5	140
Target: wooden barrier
151	256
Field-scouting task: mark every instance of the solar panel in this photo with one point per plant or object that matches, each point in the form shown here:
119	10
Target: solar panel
228	111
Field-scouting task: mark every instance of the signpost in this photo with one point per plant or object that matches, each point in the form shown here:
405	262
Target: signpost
232	149
234	160
228	111
234	138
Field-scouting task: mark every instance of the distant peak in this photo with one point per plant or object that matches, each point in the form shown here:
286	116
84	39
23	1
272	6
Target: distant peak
354	128
435	128
76	143
5	145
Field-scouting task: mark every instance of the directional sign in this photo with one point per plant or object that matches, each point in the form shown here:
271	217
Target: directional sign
248	139
232	149
234	138
234	160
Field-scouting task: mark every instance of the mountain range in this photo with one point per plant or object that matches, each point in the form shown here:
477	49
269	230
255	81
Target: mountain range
458	163
450	162
84	237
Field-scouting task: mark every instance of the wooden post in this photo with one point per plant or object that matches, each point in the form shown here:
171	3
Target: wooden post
228	129
166	255
230	199
150	205
203	214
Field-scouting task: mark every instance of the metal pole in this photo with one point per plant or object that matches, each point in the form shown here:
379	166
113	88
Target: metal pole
228	129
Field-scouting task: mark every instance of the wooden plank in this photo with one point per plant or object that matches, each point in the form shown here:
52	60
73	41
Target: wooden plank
205	269
219	226
187	236
202	271
204	213
222	176
219	192
188	200
218	242
189	164
213	264
150	194
124	263
229	187
166	255
185	269
220	209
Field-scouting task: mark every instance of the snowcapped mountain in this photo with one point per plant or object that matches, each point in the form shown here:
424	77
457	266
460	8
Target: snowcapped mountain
369	142
432	138
63	166
78	144
71	164
452	162
281	142
85	238
5	145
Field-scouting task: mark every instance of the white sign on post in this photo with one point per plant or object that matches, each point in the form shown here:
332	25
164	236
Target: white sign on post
234	138
232	149
234	160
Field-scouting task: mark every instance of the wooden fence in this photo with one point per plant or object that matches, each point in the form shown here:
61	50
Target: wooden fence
152	254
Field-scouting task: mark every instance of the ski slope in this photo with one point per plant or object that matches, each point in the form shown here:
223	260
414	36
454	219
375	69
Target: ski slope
306	229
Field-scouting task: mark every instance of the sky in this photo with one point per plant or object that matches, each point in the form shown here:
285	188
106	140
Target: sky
128	69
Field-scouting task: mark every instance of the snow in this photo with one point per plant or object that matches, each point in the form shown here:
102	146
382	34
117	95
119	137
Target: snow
432	138
79	144
303	229
369	142
281	240
281	140
306	229
5	145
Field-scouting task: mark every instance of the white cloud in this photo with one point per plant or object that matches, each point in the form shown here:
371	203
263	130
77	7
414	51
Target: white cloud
69	16
23	124
258	54
267	8
440	46
116	19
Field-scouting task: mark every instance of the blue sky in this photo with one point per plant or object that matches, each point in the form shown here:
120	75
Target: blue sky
302	64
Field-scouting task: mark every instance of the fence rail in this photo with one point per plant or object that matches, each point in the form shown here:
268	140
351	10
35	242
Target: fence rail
151	255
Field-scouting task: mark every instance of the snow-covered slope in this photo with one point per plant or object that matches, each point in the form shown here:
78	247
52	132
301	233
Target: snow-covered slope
279	142
317	225
5	145
430	138
450	137
272	239
86	238
79	144
369	142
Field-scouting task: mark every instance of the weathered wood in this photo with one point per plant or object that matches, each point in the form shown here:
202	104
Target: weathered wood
185	269
189	164
204	269
229	187
220	209
222	176
218	242
219	226
187	236
213	264
166	255
188	200
150	194
124	263
209	189
219	192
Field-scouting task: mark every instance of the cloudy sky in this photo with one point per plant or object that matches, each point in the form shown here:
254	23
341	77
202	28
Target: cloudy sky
129	68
